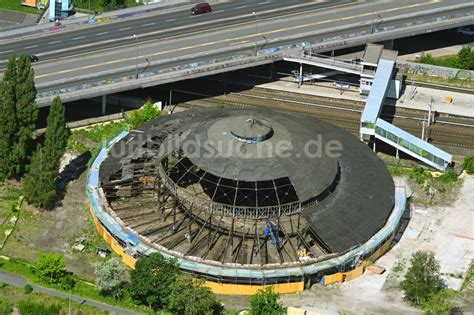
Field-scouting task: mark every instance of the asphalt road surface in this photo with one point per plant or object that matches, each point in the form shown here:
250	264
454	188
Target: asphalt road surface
268	33
156	26
102	52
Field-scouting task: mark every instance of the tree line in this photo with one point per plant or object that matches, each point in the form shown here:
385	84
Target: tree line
22	156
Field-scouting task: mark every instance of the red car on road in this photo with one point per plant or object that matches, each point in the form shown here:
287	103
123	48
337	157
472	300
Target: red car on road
201	8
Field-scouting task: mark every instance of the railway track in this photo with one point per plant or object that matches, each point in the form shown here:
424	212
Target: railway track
344	114
349	105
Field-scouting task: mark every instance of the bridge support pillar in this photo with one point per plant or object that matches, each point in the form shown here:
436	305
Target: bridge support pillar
104	104
300	78
387	44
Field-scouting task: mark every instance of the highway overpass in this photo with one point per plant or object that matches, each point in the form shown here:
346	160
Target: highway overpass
104	59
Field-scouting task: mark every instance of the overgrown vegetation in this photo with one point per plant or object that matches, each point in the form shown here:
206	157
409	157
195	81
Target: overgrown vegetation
452	81
136	118
79	287
430	184
88	139
191	296
16	6
469	277
105	5
423	286
464	59
11	296
469	164
110	277
151	280
30	307
40	183
265	302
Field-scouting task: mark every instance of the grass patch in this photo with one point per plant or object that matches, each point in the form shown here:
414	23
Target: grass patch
469	164
453	82
88	139
12	296
450	61
81	288
15	5
430	183
97	5
469	277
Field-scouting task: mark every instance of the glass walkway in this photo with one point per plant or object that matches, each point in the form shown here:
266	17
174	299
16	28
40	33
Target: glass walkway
372	125
412	145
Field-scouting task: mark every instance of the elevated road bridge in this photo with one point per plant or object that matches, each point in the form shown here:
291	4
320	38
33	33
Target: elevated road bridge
88	64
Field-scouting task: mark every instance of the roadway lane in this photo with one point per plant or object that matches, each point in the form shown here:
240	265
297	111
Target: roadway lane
98	66
156	26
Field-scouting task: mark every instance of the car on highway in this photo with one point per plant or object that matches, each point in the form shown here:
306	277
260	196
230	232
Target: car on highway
201	8
33	58
468	30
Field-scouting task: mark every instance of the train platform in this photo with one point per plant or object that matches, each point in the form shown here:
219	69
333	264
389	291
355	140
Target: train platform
415	97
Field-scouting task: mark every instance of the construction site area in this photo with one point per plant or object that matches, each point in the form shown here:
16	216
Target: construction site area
245	198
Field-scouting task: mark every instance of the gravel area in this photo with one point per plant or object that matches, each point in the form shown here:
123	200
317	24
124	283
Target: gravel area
445	230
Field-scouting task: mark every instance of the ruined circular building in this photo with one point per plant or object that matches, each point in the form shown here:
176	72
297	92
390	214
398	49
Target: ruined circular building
245	198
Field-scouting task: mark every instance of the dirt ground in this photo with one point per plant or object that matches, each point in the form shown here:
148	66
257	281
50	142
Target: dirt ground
446	230
56	230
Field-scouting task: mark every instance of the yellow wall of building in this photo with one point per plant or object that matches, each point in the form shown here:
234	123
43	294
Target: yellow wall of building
247	289
354	273
243	289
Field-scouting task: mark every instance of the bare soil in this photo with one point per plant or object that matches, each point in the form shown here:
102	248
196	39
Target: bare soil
55	231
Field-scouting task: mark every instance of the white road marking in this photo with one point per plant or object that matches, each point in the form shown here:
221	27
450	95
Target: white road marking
76	38
103	33
125	28
6	51
31	46
266	2
149	24
55	42
218	11
241	7
170	20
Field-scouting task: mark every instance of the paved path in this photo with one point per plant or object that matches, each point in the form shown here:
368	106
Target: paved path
20	282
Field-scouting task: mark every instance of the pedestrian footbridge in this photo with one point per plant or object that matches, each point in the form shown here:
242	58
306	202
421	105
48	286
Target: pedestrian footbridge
373	126
327	63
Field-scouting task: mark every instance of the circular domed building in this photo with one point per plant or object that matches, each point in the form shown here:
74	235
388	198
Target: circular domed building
245	198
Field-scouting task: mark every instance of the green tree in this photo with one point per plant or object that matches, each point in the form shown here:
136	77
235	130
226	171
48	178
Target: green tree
56	134
422	278
26	111
39	184
265	302
427	58
8	123
466	58
110	277
439	303
151	280
190	296
50	267
18	114
146	113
